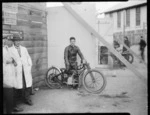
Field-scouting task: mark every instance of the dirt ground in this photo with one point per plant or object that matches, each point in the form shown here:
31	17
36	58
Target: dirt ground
123	93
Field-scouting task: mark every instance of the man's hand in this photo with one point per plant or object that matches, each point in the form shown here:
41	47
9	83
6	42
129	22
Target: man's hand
14	62
9	61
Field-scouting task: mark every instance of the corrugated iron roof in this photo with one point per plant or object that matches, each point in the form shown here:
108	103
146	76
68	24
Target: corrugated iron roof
125	5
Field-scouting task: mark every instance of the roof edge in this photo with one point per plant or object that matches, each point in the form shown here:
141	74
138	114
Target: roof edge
123	8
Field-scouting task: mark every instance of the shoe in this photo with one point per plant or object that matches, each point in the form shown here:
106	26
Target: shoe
17	109
29	102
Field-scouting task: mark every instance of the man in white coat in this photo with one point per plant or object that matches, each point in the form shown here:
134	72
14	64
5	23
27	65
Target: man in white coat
23	68
9	80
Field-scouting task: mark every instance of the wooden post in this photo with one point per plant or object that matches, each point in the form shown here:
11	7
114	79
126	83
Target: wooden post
123	26
143	30
96	34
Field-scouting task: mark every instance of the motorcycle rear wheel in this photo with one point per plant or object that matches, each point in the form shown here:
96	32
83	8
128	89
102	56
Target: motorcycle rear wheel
131	58
50	79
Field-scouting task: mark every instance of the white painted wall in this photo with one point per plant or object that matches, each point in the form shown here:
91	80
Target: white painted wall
61	25
105	26
87	10
106	31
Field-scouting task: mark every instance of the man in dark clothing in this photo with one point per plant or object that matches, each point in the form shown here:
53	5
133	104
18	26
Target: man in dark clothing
70	56
142	44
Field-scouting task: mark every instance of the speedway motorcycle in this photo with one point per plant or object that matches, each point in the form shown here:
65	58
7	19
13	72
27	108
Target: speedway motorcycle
92	80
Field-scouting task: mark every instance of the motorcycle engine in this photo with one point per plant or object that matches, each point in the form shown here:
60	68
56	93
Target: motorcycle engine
69	81
72	80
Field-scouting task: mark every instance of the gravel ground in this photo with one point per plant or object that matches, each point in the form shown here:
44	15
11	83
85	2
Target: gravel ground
123	93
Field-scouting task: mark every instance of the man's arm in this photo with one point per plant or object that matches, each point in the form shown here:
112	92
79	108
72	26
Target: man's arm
66	56
80	54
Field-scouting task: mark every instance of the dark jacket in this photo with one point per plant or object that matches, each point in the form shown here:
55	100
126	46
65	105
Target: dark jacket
142	44
70	54
127	43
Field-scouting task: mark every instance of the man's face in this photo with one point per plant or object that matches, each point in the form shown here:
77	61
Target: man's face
72	42
10	43
17	43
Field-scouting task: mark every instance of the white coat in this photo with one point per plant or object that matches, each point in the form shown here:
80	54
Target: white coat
25	62
9	80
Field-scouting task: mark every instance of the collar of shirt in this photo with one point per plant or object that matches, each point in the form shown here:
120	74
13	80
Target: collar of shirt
17	47
72	46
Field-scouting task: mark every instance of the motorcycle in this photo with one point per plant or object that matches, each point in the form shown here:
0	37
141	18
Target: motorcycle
92	80
127	55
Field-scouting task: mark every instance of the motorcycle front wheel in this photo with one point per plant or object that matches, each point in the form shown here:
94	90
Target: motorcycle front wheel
95	86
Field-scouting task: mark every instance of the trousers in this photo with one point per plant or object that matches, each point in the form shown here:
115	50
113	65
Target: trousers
71	67
26	91
142	53
8	94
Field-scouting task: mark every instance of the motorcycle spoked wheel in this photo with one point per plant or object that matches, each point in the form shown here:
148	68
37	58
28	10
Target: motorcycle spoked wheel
131	58
50	79
102	80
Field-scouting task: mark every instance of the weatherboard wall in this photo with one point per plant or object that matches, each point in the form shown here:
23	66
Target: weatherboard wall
31	19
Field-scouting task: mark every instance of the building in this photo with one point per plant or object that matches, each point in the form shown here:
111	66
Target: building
104	28
30	20
124	19
129	19
61	25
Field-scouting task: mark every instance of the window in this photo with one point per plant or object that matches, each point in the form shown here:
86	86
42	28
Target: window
138	16
119	19
128	17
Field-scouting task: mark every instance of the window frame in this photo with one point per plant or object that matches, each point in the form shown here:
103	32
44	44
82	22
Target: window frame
127	17
138	16
119	19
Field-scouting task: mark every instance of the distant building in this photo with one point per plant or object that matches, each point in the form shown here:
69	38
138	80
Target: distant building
126	18
129	17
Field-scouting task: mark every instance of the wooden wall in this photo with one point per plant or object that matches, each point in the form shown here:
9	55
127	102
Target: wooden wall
35	37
